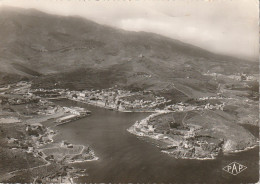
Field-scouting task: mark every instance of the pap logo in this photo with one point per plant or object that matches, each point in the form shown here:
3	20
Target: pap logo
234	168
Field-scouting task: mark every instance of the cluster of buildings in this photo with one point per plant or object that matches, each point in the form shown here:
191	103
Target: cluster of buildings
154	103
15	101
19	95
66	144
36	135
123	100
143	128
118	99
187	144
78	111
72	113
216	106
182	107
187	107
237	76
50	93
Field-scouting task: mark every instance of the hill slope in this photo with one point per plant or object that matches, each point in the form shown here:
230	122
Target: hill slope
76	53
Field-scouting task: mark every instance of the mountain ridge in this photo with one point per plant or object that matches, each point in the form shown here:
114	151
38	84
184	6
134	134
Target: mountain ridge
149	34
79	53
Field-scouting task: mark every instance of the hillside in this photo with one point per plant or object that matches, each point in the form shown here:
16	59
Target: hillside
72	52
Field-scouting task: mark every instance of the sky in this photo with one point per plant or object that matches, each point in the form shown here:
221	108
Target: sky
228	27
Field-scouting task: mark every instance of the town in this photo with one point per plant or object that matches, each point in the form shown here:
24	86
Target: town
176	128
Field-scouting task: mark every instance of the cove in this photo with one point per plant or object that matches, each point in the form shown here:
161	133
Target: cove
125	158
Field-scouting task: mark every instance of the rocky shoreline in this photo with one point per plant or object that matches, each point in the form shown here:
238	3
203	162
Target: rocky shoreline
25	125
39	142
186	142
186	148
199	129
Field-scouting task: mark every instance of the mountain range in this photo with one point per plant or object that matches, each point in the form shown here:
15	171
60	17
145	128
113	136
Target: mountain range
76	53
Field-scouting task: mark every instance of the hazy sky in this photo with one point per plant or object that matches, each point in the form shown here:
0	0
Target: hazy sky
223	26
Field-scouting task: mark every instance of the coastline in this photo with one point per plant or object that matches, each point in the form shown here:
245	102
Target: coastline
52	161
155	137
73	171
54	112
109	108
239	150
150	134
141	134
